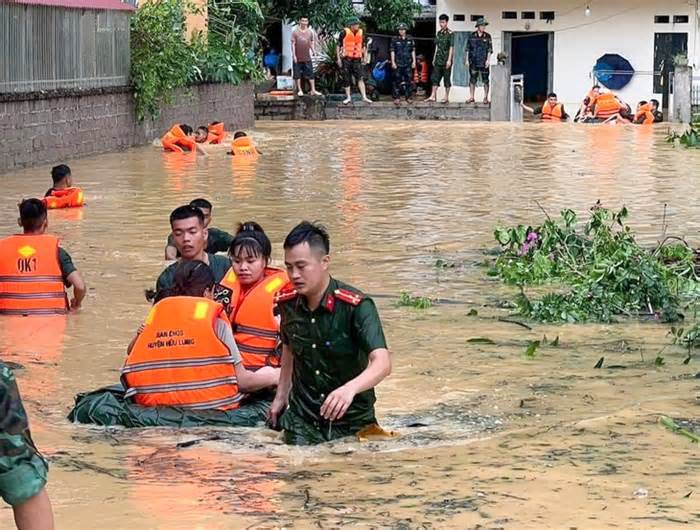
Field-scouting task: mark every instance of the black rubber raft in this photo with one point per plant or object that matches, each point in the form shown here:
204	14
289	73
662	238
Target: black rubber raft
108	407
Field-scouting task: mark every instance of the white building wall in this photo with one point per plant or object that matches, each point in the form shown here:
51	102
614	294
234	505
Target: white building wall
625	27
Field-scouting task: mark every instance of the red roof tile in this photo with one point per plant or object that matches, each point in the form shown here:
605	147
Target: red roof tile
82	4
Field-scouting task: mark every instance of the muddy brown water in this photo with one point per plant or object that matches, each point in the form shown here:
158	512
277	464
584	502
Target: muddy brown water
489	439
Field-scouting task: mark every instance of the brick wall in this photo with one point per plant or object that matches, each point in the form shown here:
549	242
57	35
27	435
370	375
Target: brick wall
43	128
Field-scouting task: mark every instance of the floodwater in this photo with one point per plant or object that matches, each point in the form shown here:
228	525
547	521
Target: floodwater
489	439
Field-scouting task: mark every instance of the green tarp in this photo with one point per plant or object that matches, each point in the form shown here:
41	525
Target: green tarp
108	407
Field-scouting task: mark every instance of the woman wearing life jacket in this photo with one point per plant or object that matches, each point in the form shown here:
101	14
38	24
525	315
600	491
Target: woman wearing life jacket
250	287
180	138
63	194
242	145
184	355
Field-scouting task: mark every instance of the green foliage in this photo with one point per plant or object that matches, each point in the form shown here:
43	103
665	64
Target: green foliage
329	76
163	60
594	274
388	14
323	15
234	27
418	302
672	426
689	139
333	15
531	349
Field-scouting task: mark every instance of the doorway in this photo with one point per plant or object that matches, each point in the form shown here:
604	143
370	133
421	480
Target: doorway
531	54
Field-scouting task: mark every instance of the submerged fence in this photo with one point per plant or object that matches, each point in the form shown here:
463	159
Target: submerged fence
44	48
695	95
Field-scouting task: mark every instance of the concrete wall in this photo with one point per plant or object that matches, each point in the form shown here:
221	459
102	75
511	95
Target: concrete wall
624	26
314	109
42	129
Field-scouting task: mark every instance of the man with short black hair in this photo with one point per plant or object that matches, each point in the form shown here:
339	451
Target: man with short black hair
217	240
333	348
442	59
35	269
551	110
190	234
303	45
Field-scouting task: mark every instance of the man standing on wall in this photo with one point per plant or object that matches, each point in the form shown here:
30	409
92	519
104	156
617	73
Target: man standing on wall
303	44
442	59
352	51
403	61
479	50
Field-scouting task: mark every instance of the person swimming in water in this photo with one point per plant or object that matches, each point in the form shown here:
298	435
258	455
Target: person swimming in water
242	145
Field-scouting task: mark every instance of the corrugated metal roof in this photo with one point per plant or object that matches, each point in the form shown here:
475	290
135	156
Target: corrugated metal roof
127	5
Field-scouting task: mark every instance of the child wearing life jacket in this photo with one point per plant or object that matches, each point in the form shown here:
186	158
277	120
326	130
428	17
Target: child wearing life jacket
63	194
242	145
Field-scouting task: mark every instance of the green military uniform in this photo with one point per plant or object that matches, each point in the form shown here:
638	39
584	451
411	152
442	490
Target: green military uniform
444	40
219	265
331	346
217	241
67	267
23	470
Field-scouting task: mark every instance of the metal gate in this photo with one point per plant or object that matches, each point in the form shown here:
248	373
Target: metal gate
44	48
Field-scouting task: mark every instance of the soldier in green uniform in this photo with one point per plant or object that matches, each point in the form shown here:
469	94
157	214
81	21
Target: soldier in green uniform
333	348
217	240
190	237
23	470
442	59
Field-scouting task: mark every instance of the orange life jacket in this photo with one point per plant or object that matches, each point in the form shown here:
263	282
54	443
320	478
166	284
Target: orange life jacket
255	327
420	74
645	114
176	140
352	44
64	198
592	97
243	146
216	133
550	112
179	361
31	281
606	105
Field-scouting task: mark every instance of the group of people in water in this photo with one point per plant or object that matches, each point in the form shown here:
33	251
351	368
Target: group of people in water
599	107
183	138
224	330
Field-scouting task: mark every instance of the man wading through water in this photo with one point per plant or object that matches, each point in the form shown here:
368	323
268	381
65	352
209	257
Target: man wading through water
333	347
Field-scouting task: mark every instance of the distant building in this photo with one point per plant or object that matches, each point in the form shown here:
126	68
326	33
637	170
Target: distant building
556	44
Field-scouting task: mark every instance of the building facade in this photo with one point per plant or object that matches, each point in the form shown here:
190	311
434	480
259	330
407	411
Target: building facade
556	44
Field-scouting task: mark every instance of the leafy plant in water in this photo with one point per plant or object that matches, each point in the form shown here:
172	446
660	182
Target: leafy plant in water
690	138
596	273
329	76
419	302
